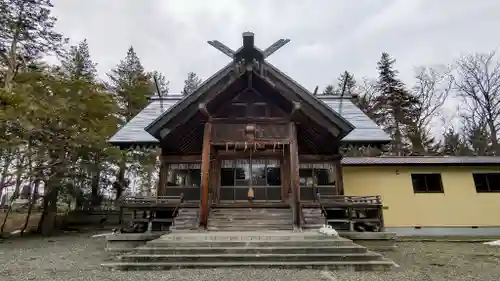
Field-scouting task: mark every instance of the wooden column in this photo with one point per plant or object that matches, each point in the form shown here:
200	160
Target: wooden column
294	173
205	174
161	189
339	176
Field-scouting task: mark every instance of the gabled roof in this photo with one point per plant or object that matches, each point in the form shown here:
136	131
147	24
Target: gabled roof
133	132
365	129
166	116
222	74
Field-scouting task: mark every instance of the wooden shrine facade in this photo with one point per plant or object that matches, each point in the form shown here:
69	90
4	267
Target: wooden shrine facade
251	129
248	129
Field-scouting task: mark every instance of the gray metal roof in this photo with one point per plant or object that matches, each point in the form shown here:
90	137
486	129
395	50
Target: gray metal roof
365	130
133	131
422	160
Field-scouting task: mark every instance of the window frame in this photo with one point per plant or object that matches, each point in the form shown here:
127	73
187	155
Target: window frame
486	179
425	178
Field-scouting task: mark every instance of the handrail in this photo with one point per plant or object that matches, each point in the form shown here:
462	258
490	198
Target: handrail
351	200
323	210
144	200
174	213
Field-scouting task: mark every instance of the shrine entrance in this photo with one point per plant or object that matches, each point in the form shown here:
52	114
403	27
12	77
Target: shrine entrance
261	175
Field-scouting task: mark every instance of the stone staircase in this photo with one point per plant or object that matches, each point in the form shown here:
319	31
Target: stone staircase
264	249
186	219
313	218
247	219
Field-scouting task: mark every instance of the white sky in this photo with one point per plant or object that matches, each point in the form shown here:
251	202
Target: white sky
327	36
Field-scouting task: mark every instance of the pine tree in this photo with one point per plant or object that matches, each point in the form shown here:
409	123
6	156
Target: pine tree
191	83
346	78
453	144
394	103
329	90
131	86
26	33
78	65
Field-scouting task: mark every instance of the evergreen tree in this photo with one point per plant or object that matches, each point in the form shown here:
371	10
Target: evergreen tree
26	33
78	65
191	83
163	84
346	78
394	103
329	90
131	86
453	144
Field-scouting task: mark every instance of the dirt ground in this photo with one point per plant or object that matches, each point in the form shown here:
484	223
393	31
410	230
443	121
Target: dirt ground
15	220
78	257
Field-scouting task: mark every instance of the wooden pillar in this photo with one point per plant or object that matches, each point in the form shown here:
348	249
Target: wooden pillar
294	172
161	189
284	177
339	176
205	174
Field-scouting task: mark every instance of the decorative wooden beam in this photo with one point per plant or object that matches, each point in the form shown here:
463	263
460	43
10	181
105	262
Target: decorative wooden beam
295	110
203	109
164	132
221	47
275	46
205	174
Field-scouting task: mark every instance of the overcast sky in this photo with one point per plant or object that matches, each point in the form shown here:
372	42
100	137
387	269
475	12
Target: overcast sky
327	36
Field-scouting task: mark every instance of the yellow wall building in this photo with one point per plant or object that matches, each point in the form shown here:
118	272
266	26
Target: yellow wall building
430	195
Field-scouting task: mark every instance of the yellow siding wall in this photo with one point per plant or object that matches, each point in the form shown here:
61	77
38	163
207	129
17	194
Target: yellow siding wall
459	205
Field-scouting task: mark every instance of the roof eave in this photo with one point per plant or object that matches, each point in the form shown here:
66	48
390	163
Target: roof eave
154	127
345	126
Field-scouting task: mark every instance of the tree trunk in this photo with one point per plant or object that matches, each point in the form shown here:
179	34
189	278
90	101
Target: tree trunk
96	177
50	211
34	196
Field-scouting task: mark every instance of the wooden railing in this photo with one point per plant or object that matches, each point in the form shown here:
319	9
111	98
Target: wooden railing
357	212
141	201
350	200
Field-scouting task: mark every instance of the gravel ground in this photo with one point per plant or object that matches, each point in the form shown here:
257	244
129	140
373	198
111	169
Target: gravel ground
78	257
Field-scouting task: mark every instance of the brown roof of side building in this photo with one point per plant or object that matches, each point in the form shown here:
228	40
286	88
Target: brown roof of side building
423	161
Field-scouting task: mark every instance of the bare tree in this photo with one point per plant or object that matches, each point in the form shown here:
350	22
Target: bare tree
432	89
478	84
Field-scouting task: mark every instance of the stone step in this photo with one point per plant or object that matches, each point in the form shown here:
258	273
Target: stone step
380	265
368	256
159	243
247	227
249	243
251	211
251	250
249	222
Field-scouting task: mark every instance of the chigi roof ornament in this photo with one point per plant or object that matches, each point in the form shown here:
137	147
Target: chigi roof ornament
248	57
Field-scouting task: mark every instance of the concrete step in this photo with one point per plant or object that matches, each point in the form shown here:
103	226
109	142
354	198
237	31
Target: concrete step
159	243
247	227
249	222
251	250
380	265
368	256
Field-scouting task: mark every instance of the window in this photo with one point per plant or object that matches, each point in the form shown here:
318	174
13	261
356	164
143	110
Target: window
487	182
184	175
423	183
317	174
261	172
